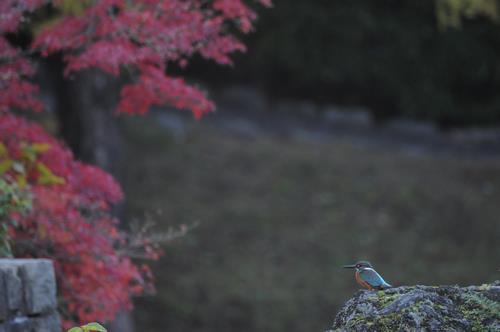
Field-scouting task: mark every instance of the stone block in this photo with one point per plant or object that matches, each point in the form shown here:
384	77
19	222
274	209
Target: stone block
3	298
48	323
28	296
19	324
14	288
39	286
241	98
411	128
347	116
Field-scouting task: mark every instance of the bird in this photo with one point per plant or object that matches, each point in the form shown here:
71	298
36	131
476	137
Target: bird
367	277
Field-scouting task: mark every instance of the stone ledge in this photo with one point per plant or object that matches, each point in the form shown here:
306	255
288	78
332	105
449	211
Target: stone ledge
422	308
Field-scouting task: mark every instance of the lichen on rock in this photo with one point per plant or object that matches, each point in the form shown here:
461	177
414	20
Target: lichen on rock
422	308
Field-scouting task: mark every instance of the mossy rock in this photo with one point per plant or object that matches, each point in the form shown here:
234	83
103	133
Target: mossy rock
423	308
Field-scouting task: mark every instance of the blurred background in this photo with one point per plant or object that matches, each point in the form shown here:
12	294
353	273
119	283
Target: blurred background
350	130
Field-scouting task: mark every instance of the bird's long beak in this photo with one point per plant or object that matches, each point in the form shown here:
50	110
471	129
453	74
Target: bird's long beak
349	266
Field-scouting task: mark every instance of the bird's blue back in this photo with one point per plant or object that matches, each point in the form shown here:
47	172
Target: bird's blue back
373	278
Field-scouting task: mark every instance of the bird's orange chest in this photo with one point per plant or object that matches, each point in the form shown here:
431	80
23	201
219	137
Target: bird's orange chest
362	282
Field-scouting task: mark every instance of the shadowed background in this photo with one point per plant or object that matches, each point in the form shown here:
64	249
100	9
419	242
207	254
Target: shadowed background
278	217
280	210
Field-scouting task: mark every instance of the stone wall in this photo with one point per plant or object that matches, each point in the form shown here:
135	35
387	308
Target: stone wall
28	296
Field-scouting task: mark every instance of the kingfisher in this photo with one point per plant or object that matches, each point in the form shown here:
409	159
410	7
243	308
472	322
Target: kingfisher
367	277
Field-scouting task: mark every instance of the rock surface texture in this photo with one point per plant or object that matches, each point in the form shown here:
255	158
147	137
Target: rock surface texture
422	308
28	296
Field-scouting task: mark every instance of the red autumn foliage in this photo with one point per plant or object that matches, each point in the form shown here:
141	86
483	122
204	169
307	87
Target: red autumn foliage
144	36
71	221
15	91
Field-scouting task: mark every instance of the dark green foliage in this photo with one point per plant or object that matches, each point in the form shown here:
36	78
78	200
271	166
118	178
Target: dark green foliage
387	54
89	328
12	199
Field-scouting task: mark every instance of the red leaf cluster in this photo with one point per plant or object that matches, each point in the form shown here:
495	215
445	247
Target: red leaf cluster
71	223
144	36
15	91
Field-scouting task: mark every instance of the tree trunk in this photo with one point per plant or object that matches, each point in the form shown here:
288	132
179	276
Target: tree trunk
84	105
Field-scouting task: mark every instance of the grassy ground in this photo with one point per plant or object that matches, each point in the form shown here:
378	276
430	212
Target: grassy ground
278	217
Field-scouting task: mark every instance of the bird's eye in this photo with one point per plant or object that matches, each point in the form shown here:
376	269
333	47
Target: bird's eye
358	266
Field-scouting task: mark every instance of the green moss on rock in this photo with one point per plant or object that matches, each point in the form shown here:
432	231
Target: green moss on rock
423	308
479	310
